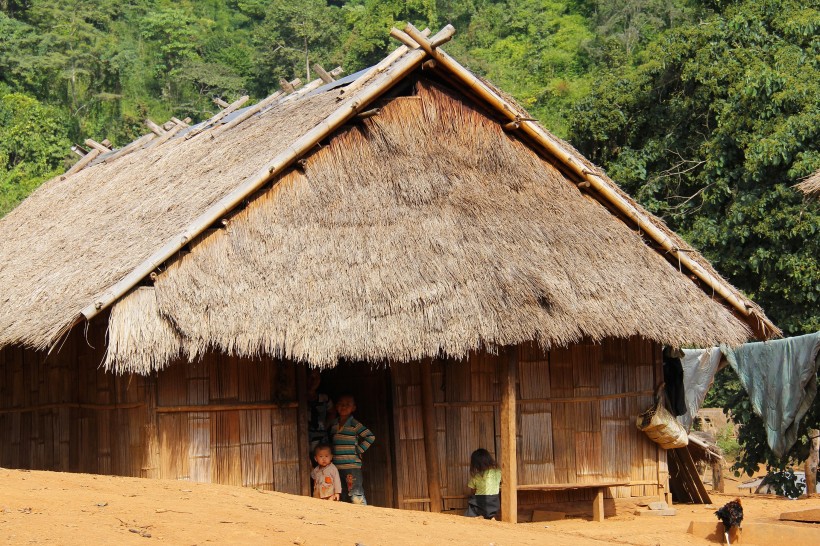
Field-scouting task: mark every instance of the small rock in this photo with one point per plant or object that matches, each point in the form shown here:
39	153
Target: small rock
298	540
101	504
658	505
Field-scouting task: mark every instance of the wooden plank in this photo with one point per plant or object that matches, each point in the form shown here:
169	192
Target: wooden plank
571	486
430	437
508	363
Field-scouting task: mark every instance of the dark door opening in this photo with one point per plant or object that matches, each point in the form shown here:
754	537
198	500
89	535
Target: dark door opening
374	408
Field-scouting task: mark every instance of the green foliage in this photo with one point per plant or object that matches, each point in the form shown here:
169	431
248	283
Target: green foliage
33	144
727	442
710	128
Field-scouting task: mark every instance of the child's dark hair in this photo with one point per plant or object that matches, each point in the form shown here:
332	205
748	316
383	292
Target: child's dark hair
322	445
480	461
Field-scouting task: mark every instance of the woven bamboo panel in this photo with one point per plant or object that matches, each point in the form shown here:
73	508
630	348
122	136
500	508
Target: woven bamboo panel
285	451
173	446
224	448
256	447
411	467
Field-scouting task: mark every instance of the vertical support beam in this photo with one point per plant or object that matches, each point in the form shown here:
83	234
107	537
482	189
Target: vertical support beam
598	505
430	436
812	462
303	415
508	363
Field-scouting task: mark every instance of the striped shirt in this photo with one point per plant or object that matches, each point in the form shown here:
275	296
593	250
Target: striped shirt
350	440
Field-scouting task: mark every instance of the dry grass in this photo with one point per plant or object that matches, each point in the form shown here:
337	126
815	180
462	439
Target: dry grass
424	231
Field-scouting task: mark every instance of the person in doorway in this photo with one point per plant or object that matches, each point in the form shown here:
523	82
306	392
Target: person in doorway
350	439
321	411
327	484
485	486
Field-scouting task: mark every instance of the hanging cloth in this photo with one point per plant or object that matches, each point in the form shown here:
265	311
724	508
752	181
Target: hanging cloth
699	369
781	379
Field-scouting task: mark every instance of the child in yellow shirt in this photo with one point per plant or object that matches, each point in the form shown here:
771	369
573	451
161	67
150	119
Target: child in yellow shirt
485	483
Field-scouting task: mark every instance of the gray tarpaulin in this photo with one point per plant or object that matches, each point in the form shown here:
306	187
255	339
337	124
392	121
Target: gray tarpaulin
699	367
780	377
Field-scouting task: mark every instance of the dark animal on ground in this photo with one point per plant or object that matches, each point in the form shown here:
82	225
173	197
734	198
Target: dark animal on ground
731	515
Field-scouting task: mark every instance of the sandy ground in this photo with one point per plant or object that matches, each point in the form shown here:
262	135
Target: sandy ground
60	508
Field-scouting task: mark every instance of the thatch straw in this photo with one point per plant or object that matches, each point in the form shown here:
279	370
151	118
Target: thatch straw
811	185
427	230
74	238
139	332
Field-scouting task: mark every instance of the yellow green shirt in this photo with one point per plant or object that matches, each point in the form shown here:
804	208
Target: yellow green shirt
486	483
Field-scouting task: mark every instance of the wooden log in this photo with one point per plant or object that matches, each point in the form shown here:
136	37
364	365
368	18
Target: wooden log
215	119
127	149
89	157
382	65
96	145
404	38
324	75
156	129
508	368
258	107
287	87
79	150
430	437
221	103
167	136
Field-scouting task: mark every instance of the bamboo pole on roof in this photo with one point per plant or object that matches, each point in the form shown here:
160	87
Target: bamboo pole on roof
217	117
346	111
763	327
86	159
267	101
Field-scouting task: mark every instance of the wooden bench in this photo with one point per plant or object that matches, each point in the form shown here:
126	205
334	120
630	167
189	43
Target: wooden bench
597	503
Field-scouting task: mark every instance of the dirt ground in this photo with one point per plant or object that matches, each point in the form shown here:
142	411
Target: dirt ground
60	508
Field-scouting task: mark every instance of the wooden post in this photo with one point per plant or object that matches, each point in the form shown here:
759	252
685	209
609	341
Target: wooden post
717	476
812	462
303	414
598	505
508	362
430	436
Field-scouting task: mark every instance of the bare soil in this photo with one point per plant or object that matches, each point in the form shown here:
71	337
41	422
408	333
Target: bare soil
60	508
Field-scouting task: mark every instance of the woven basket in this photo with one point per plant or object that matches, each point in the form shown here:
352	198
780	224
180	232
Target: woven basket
662	427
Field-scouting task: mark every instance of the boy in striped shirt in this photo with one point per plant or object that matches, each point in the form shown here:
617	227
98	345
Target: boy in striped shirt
350	439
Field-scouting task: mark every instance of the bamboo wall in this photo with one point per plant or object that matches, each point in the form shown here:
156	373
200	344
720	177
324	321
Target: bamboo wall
240	422
575	422
221	420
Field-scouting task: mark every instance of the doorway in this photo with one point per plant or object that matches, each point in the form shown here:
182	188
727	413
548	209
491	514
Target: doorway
370	386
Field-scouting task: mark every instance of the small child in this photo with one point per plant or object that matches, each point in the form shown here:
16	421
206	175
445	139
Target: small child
327	484
350	439
485	483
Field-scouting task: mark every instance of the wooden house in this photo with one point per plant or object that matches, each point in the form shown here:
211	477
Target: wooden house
410	231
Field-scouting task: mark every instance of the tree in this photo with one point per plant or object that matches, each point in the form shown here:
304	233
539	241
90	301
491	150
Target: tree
33	145
710	131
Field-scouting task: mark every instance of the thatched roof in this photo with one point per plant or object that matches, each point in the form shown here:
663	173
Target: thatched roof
811	185
423	230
